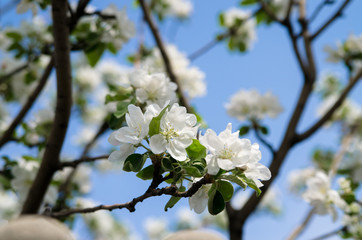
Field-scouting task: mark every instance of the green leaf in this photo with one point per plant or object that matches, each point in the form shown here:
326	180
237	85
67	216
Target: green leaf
196	150
221	19
226	189
155	123
111	48
264	130
122	108
193	171
14	35
173	200
216	203
244	130
146	173
134	162
235	179
95	54
248	2
115	123
252	184
167	164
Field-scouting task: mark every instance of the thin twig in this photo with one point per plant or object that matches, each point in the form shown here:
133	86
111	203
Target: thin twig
101	15
352	82
302	226
76	162
17	70
261	139
207	47
8	134
165	57
337	14
318	9
330	234
170	190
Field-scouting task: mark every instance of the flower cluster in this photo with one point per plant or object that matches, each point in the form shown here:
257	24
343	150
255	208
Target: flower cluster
170	133
320	195
242	28
191	79
173	8
253	106
349	52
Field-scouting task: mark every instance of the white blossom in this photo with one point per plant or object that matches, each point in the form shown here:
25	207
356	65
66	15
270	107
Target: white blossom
251	105
81	178
227	151
153	88
190	78
198	201
24	174
88	77
113	73
297	179
177	129
187	219
178	8
349	50
156	228
9	206
245	31
320	195
121	29
26	5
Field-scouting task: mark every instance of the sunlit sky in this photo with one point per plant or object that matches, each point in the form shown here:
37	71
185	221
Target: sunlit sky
269	65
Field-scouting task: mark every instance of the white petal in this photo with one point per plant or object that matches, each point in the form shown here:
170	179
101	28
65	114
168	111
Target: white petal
112	139
158	144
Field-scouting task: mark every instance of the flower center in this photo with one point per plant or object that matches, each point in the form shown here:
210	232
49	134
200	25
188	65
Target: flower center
226	153
169	134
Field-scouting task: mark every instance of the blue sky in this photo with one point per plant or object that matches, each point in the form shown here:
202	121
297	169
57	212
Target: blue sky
269	65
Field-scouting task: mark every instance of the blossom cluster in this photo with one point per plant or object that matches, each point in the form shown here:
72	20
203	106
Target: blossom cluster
242	28
349	52
171	135
251	105
173	8
190	78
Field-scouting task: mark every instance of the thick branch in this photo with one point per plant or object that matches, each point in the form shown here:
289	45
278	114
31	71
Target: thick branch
331	111
165	57
171	190
49	164
337	14
8	134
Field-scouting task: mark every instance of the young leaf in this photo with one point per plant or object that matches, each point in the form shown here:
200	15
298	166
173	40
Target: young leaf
134	162
216	203
122	108
173	200
252	184
146	173
226	189
244	130
95	54
264	130
235	179
155	123
196	150
192	171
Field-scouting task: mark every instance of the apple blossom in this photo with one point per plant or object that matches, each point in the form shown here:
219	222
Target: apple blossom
253	106
177	129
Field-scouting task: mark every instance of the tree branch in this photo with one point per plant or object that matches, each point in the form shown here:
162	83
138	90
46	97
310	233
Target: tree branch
170	190
8	134
353	81
17	70
261	139
330	234
76	162
337	14
302	226
49	164
165	57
